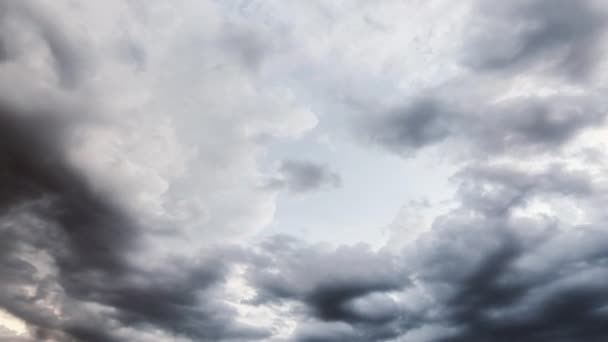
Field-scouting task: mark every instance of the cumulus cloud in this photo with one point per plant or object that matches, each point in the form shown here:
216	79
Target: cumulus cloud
465	278
483	271
493	295
344	296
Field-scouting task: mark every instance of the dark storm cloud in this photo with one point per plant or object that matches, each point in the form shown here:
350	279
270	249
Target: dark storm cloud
483	272
523	279
345	287
493	274
65	245
34	168
511	288
517	125
300	176
561	35
353	272
504	277
48	206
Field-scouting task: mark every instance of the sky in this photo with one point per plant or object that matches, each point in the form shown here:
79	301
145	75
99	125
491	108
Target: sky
303	170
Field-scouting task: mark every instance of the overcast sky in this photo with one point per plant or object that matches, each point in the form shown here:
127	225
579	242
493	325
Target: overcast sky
303	170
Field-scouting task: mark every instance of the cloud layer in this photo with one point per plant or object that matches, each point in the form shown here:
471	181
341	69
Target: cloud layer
135	199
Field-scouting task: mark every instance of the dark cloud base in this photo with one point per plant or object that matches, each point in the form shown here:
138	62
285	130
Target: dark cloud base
48	206
492	277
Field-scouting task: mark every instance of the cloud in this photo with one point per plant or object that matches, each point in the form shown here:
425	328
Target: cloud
129	169
418	124
483	271
299	176
561	36
317	332
499	265
511	98
497	189
34	169
516	125
328	291
49	208
497	294
342	289
99	178
68	61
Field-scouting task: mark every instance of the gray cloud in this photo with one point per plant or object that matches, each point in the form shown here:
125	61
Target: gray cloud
48	207
563	36
483	271
519	125
4	52
318	332
421	123
300	176
490	269
67	263
508	290
342	289
68	59
512	37
494	268
495	190
251	46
